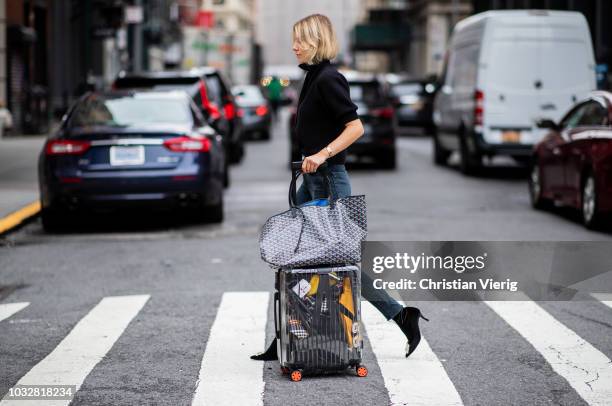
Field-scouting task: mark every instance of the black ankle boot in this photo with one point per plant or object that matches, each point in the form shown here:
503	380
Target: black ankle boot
408	321
267	355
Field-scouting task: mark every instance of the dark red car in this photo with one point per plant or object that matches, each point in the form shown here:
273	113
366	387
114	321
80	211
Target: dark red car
572	165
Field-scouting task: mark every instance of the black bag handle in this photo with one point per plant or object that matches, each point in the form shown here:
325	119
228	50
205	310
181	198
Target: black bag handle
296	171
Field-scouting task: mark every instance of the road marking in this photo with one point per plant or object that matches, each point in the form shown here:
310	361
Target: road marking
86	344
605	298
418	380
584	367
19	216
227	375
8	309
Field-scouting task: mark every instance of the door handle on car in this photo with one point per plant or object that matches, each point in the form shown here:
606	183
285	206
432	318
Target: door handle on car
556	151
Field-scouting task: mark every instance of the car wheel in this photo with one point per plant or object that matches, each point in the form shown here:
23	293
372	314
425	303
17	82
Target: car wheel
226	179
440	155
590	212
51	220
388	160
535	188
430	130
265	135
469	163
236	153
210	213
226	176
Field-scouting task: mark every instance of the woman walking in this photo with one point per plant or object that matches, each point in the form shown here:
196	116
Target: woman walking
326	125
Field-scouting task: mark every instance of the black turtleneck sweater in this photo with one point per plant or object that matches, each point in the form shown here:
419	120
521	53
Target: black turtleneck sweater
324	108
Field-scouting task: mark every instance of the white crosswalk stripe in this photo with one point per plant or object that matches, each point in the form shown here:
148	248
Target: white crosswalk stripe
86	344
584	367
239	330
227	375
605	298
425	382
8	309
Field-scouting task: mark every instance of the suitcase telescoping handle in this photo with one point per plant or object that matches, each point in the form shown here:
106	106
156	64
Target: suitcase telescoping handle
297	166
296	171
277	315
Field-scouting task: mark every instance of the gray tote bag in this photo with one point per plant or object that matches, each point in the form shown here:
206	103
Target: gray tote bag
323	232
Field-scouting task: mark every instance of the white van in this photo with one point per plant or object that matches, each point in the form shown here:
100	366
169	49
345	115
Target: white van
504	71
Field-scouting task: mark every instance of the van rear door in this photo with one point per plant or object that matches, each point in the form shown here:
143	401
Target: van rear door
538	66
510	96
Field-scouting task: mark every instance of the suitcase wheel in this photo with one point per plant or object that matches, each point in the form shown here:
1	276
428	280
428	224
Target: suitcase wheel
296	375
362	371
284	370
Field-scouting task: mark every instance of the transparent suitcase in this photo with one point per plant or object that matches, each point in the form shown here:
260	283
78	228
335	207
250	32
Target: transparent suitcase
318	320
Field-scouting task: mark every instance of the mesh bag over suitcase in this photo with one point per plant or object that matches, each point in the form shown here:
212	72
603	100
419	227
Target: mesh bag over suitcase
318	320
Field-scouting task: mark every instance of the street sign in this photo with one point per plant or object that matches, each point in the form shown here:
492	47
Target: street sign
204	19
134	14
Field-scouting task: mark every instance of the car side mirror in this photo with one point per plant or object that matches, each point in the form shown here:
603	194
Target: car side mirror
548	124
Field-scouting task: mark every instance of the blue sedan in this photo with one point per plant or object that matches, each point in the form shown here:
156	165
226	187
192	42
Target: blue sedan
132	149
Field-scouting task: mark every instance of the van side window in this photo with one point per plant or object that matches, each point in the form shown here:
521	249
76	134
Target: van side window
464	68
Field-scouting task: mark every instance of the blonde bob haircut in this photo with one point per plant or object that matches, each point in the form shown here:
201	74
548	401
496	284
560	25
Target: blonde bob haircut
315	35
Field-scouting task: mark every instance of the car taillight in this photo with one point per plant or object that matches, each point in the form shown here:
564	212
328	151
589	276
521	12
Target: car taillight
385	112
261	110
478	107
187	144
229	111
66	147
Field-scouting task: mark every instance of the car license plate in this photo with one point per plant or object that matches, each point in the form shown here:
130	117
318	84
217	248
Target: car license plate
132	155
513	137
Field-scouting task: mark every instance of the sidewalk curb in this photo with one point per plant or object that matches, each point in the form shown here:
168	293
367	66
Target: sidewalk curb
19	217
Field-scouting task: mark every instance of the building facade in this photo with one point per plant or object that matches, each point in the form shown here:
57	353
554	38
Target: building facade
431	23
223	37
275	19
57	49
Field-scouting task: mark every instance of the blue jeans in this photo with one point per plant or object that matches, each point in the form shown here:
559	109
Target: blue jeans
313	187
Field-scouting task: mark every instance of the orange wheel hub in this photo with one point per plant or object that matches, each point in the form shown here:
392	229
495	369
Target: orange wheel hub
296	376
362	371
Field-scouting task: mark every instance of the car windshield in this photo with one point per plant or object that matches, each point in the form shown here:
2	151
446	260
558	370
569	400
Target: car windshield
367	92
129	111
248	93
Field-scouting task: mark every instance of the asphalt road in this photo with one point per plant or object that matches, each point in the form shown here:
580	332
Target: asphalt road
131	308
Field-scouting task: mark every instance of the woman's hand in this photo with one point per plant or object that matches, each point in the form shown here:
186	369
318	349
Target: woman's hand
311	163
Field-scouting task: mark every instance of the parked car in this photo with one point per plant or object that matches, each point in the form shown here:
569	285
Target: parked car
254	111
413	103
376	114
504	70
132	149
209	90
572	165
